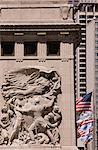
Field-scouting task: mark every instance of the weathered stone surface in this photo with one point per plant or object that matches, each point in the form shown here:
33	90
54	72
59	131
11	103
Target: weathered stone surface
37	107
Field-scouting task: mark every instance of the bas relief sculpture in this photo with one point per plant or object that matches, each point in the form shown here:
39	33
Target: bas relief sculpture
31	113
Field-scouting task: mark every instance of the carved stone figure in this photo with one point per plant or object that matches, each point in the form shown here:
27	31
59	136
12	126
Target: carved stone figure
31	113
65	12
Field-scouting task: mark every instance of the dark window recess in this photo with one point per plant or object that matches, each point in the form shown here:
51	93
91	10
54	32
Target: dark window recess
97	42
96	60
82	90
96	7
82	65
82	70
96	35
82	60
83	85
7	48
53	48
96	66
82	51
83	36
97	85
82	55
89	17
82	21
81	148
90	8
82	80
82	8
96	72
82	16
96	47
83	31
82	75
30	49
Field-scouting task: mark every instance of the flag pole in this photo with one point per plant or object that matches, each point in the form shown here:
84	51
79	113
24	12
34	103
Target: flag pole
86	147
94	120
93	110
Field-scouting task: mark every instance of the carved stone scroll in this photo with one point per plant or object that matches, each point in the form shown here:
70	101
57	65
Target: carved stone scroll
31	113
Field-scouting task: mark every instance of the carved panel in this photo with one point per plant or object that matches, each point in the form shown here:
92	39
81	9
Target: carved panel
31	113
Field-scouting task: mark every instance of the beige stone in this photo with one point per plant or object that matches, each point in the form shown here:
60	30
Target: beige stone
41	21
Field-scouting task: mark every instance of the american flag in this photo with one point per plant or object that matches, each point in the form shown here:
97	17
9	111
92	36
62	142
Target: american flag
84	103
86	138
85	126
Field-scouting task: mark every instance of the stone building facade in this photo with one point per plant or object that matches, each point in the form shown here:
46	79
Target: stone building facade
37	74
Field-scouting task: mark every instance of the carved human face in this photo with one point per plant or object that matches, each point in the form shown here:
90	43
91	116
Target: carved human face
56	108
5	118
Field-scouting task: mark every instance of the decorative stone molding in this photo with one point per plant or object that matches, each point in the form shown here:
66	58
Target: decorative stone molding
19	60
42	59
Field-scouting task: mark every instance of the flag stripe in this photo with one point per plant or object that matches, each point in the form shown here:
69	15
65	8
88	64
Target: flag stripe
84	103
83	109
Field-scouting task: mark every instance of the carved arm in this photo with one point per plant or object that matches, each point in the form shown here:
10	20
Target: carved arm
31	108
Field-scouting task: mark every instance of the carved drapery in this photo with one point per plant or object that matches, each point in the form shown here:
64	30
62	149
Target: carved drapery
31	113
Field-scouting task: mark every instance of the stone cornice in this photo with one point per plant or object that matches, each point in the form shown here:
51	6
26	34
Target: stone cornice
28	6
39	26
32	3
